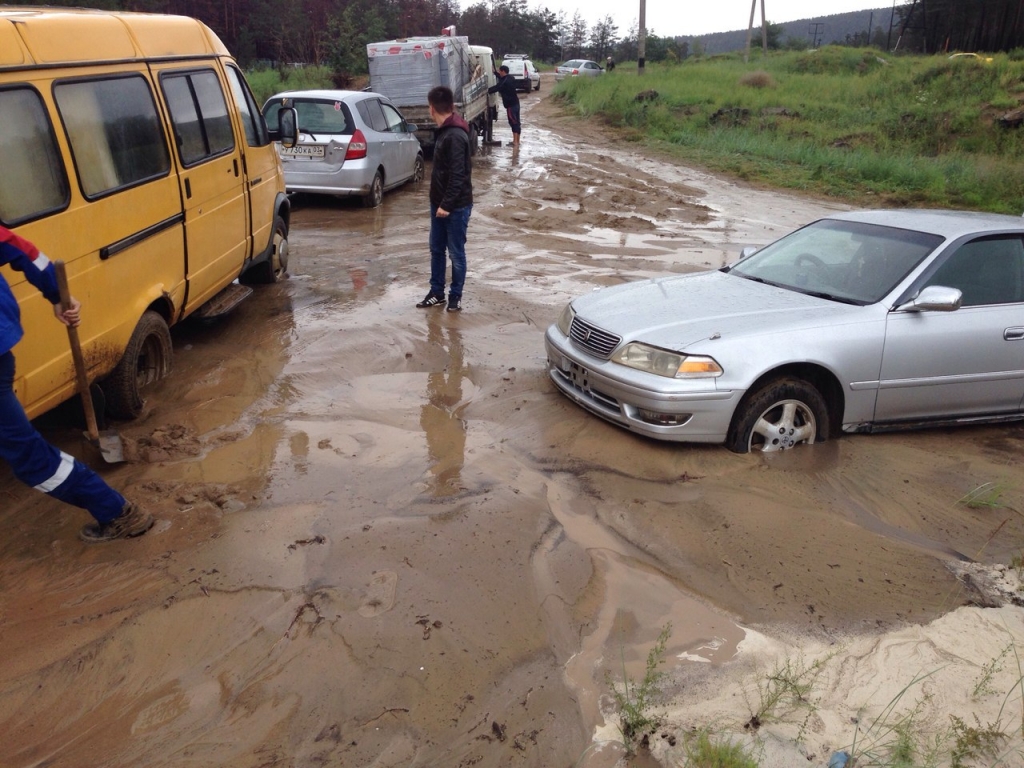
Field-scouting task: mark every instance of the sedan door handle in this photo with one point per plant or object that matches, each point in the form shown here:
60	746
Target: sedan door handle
1013	334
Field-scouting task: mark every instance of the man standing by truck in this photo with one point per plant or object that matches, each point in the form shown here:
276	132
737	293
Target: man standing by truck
35	462
506	86
451	199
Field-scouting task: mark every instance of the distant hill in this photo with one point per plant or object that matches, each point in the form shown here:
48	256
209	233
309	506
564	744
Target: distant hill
834	28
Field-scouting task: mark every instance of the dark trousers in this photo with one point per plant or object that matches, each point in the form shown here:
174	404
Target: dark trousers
513	119
38	464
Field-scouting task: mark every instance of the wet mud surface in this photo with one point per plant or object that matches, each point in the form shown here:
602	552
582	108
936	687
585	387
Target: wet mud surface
384	539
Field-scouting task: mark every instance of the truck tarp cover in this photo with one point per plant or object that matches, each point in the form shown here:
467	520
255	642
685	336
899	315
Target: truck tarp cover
405	70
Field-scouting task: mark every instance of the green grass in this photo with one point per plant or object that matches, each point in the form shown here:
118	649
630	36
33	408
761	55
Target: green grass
266	82
844	122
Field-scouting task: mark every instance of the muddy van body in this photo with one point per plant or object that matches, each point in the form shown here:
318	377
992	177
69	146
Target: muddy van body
131	148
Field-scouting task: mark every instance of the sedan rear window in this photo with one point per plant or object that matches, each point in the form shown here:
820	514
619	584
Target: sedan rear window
843	260
315	115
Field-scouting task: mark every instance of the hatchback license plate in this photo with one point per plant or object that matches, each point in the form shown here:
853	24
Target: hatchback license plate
304	150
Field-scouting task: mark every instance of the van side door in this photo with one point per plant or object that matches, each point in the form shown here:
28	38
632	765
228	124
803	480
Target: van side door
263	175
209	158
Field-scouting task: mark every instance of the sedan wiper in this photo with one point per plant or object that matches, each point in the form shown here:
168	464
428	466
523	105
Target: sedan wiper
759	280
829	296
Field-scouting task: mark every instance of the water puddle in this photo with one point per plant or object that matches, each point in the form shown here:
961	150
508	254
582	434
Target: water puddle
634	600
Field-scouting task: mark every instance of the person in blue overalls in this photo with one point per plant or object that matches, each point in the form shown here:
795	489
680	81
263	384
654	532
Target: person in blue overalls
35	462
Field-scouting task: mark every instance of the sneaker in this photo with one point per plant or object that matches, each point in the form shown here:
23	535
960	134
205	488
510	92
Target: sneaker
131	522
431	300
455	305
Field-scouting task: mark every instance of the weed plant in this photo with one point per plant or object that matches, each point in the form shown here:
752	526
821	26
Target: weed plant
907	130
702	751
985	496
634	701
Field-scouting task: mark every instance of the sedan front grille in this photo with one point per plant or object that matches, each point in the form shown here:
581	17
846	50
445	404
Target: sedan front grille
592	339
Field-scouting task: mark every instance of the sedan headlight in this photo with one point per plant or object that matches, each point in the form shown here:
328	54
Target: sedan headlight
661	362
565	320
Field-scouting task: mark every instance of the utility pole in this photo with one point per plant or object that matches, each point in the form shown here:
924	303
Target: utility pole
814	30
750	31
641	38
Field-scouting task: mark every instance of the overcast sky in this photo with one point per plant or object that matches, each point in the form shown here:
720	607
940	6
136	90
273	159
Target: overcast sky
669	18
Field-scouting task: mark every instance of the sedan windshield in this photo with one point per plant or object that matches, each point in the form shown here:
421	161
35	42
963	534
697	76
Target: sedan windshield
840	260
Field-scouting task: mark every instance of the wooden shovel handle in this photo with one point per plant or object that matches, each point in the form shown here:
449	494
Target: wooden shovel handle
76	353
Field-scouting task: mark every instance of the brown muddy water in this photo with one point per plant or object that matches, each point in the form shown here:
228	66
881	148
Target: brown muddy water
384	539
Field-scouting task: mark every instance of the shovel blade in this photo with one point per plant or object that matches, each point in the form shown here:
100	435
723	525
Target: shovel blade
109	444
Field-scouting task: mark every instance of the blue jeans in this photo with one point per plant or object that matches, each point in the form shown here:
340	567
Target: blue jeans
37	463
448	233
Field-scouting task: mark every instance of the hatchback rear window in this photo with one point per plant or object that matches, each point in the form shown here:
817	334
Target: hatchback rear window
315	115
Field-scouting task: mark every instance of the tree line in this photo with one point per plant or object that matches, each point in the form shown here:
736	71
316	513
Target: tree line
334	33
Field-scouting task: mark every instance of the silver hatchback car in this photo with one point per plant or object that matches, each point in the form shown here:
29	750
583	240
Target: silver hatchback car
350	143
578	68
859	322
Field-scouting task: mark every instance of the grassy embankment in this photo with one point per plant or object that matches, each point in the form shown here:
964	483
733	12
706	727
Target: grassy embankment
266	82
851	123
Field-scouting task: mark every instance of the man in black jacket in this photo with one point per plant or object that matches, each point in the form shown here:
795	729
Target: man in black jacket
506	86
451	199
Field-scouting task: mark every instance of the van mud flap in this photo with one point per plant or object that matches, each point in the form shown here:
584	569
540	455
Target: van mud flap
223	302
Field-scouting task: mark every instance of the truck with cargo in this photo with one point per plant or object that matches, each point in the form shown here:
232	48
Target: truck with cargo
405	70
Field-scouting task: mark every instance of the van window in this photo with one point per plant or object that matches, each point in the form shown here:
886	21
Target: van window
116	137
255	128
32	182
200	115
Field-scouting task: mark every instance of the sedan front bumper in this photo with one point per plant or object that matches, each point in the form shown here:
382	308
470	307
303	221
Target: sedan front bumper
680	410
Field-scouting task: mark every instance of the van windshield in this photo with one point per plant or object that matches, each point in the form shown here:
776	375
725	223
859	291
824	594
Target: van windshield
315	115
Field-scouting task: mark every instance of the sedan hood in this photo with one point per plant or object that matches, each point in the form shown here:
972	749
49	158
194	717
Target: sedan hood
675	312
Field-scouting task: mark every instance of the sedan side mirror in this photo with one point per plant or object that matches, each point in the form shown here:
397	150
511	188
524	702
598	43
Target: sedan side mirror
934	298
411	127
747	251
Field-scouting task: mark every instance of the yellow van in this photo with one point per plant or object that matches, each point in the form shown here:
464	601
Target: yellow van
132	148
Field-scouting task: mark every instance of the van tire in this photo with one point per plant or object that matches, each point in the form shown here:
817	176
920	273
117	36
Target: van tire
146	359
274	268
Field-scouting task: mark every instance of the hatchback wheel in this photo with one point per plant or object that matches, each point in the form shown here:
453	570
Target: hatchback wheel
781	415
374	197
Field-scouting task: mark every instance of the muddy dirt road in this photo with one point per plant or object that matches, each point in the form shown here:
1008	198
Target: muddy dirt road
383	538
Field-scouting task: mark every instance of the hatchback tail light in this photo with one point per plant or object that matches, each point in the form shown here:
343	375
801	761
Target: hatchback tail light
356	146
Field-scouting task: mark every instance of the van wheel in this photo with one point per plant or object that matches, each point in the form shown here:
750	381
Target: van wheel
375	196
146	359
276	265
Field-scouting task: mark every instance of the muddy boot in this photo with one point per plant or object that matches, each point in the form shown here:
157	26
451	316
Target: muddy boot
131	522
